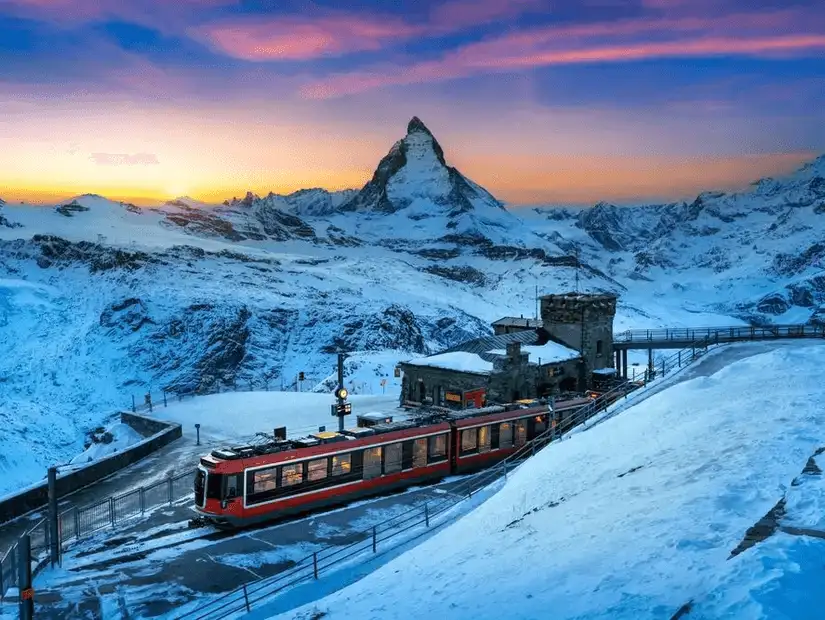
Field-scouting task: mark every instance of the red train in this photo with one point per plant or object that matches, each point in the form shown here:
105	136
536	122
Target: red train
244	485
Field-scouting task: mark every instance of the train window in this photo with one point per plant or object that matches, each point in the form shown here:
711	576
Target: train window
317	470
292	474
420	453
214	483
437	448
392	458
372	463
505	435
264	480
341	464
469	440
521	433
494	437
232	483
541	424
484	439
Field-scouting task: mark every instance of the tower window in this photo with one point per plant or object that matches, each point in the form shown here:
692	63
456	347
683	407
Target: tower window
599	347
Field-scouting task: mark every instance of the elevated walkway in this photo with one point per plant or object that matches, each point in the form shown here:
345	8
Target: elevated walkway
689	337
685	337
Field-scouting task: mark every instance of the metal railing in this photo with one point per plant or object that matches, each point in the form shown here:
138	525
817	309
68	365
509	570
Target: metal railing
416	522
722	334
78	522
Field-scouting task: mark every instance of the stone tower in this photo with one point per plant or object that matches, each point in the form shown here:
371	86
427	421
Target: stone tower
582	321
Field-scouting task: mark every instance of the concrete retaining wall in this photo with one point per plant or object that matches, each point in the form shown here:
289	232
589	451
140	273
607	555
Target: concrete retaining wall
157	433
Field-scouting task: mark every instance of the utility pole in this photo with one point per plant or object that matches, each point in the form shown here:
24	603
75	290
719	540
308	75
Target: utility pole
578	265
24	577
54	532
341	393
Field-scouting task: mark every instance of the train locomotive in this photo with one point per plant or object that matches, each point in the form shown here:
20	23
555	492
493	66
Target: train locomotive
246	485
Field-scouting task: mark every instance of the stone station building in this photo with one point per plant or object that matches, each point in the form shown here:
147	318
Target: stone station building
566	351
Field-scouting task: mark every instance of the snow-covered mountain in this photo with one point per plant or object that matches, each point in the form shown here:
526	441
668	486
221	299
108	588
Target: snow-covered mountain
101	301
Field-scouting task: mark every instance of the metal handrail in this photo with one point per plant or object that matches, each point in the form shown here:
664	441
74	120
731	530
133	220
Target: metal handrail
738	332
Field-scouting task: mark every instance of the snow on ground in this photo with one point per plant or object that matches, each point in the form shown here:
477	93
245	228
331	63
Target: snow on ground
237	415
782	576
631	519
122	436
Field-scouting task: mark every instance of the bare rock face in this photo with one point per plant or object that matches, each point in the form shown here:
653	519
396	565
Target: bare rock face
415	170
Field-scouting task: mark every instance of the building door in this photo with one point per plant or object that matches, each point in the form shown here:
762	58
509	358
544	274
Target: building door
422	392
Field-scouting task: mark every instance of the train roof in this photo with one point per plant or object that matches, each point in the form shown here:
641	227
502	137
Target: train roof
431	417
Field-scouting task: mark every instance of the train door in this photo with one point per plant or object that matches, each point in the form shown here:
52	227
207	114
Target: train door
455	439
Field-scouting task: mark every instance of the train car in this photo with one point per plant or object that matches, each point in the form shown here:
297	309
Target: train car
478	441
250	484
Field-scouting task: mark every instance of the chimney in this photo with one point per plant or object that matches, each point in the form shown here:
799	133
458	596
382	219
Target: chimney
514	350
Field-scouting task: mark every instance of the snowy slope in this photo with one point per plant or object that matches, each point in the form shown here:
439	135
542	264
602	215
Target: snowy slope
101	301
634	518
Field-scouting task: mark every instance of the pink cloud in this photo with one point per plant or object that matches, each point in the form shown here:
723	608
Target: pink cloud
299	38
624	41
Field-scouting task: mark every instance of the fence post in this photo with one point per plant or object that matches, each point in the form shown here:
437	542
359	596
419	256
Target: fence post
315	564
76	524
164	397
170	489
679	358
427	512
133	404
374	539
505	470
246	598
112	510
24	577
142	497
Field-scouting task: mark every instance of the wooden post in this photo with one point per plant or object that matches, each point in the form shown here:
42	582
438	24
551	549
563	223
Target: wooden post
374	539
427	512
315	564
246	598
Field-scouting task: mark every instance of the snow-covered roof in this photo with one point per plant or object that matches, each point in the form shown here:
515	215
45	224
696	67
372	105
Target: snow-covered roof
460	361
547	353
604	371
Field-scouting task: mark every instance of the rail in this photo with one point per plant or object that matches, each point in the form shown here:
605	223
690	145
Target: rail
721	334
418	521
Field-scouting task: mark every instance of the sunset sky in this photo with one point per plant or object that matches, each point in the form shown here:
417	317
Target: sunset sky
540	101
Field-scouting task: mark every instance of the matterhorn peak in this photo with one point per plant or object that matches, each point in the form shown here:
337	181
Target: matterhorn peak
416	125
414	176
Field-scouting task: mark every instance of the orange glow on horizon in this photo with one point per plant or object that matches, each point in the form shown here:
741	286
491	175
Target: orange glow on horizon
516	179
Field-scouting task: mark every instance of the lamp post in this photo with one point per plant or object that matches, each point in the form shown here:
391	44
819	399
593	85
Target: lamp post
198	431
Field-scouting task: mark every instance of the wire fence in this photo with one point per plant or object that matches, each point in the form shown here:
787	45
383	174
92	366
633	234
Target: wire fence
416	522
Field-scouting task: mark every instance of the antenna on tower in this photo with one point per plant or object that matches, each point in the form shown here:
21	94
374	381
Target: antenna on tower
578	265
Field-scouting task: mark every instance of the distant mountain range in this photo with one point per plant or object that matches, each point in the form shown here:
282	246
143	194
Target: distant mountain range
100	300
